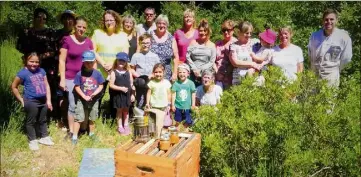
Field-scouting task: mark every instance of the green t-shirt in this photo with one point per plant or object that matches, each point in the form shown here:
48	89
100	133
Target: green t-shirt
183	99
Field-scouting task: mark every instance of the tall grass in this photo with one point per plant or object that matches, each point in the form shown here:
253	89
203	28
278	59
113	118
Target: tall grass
62	159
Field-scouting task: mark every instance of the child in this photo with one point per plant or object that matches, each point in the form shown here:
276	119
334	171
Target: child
143	63
121	83
264	55
36	99
88	85
183	97
158	95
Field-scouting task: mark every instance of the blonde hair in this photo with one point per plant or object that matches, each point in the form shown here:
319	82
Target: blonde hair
162	17
286	28
190	13
131	18
117	19
228	24
244	26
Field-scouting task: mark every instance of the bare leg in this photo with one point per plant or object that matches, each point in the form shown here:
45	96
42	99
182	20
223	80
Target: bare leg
76	128
91	126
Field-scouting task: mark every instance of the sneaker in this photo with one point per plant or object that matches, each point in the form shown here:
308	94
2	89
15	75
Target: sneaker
74	141
126	130
121	130
33	145
46	141
68	136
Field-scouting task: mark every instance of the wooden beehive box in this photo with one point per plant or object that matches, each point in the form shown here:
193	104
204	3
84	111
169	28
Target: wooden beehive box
138	159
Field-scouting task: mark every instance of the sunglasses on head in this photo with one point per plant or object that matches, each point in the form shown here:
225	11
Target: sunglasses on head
229	30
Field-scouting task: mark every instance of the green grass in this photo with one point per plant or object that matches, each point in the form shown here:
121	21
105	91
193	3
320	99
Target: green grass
62	159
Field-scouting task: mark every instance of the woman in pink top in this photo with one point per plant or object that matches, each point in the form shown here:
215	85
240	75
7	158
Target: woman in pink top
185	35
224	68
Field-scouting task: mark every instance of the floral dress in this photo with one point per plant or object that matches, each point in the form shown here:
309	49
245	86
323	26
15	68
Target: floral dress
164	51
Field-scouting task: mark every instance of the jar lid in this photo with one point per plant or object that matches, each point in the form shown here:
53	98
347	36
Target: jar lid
172	128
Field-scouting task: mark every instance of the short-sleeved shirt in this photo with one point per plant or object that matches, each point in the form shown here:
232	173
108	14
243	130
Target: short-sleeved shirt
267	53
143	28
88	81
183	43
183	90
243	53
34	83
144	63
159	97
73	61
287	59
211	98
108	46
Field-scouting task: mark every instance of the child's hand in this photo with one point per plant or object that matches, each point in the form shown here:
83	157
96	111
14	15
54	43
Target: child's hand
50	106
87	98
107	67
173	108
194	108
92	95
124	89
252	54
132	98
256	66
147	106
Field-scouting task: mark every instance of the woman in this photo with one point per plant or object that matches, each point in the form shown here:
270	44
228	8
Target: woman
185	35
42	40
288	56
70	63
164	46
108	41
223	66
129	24
240	52
67	18
201	53
208	93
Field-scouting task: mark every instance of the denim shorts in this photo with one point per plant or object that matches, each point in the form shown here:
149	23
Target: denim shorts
83	109
183	114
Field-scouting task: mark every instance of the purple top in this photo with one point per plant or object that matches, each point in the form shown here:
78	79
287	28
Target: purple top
34	83
73	58
183	43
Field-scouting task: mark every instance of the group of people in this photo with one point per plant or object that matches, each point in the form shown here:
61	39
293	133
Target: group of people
147	67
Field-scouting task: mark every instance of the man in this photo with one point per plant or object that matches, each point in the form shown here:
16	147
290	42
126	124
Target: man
149	25
329	49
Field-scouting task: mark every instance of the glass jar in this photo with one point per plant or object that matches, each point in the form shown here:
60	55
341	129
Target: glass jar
164	143
174	137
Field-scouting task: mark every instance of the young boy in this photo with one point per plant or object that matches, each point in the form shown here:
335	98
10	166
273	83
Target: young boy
88	84
143	62
183	97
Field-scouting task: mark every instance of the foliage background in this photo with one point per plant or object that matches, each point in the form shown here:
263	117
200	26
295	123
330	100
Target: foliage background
262	131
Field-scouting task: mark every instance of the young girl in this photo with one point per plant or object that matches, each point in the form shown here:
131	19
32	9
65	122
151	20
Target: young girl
264	55
158	95
121	82
36	99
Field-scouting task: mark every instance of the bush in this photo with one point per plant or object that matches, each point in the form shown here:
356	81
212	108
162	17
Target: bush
282	129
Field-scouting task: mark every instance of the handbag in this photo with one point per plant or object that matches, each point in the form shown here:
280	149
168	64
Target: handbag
167	118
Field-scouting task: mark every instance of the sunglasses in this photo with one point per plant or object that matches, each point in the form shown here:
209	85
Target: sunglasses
229	30
149	14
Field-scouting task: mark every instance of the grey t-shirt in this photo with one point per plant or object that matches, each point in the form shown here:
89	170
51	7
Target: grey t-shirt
143	28
144	63
200	57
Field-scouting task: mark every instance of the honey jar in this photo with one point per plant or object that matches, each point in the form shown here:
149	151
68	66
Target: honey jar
164	143
174	138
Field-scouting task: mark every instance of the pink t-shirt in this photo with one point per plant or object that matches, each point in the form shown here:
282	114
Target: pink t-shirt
183	43
73	61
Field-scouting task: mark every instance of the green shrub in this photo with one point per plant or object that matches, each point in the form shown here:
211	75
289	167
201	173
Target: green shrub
282	129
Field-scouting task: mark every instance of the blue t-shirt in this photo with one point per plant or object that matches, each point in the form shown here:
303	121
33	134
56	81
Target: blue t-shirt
88	81
33	81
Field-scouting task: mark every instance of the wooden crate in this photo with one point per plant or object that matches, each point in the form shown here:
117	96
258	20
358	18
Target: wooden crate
138	159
